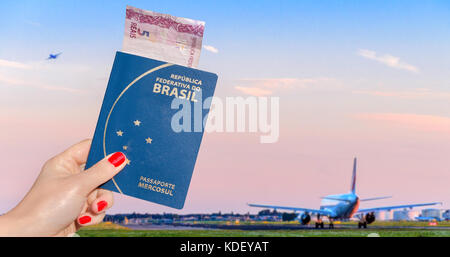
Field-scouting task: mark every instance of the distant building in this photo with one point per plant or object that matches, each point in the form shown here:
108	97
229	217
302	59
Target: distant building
383	215
431	213
405	215
380	215
137	221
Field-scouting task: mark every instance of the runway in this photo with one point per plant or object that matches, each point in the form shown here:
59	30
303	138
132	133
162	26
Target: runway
190	226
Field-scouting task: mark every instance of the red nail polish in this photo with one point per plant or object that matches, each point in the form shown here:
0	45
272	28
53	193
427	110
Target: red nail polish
101	205
84	219
117	159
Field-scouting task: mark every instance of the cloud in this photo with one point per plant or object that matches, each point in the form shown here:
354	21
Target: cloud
14	65
44	65
10	81
387	60
284	83
42	75
254	91
211	49
267	86
16	82
418	93
33	23
427	123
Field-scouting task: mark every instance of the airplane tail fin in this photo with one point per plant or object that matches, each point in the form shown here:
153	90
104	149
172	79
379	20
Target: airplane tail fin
354	176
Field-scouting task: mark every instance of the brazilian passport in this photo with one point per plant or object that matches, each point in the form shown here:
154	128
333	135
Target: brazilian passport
153	112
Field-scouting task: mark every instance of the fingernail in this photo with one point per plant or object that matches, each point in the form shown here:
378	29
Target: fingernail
84	219
117	159
101	205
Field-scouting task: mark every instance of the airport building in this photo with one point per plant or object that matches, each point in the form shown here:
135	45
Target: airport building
432	213
412	214
397	215
405	215
384	215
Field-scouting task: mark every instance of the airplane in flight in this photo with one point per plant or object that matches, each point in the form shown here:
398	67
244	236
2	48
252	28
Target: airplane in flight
343	207
53	56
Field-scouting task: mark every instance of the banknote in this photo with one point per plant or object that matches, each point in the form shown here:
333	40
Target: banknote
163	37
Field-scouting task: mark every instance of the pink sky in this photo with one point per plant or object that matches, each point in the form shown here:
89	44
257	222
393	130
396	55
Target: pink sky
400	154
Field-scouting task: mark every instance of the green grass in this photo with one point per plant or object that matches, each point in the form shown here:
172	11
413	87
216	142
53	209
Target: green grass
376	223
263	233
114	230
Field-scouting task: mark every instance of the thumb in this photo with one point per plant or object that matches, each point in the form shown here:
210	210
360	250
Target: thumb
102	171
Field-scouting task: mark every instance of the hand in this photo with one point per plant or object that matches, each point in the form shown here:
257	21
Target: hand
64	197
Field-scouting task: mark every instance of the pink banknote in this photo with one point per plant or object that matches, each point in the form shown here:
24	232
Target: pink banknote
163	37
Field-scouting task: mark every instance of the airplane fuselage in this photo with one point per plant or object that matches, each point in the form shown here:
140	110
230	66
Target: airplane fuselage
342	206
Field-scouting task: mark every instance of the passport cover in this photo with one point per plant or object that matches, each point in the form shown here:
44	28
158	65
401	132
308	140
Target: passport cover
136	117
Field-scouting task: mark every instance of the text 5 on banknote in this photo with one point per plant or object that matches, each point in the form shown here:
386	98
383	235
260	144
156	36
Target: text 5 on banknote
163	37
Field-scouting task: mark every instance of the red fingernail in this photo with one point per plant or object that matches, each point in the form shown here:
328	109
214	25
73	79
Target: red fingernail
117	159
84	219
101	205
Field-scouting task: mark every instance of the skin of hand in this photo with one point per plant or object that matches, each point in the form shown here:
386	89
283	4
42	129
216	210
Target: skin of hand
64	197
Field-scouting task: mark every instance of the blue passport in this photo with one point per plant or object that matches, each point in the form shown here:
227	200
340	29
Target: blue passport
148	114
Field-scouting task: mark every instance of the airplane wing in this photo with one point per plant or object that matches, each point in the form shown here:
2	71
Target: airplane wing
314	211
388	208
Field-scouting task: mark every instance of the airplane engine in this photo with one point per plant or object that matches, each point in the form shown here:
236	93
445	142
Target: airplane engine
305	218
370	217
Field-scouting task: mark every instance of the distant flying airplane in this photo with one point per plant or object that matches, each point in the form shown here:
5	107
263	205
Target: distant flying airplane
53	56
343	206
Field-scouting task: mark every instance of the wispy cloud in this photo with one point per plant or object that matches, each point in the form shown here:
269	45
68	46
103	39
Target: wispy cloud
406	94
211	49
254	91
285	83
44	65
14	65
33	23
427	123
17	82
43	75
388	60
268	86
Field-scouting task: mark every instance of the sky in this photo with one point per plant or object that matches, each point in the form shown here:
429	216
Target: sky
354	78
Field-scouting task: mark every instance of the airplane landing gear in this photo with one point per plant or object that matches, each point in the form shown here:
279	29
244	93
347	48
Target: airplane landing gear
331	224
362	224
319	222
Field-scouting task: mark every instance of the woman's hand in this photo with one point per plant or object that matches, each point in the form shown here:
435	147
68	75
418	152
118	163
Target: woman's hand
64	198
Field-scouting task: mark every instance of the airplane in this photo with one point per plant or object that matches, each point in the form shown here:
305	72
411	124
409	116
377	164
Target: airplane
343	207
53	56
421	218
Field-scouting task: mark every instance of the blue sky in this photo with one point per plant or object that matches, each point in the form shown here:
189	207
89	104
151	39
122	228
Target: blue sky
315	35
354	77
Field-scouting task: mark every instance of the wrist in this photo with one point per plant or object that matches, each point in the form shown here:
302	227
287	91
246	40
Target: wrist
7	225
12	225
